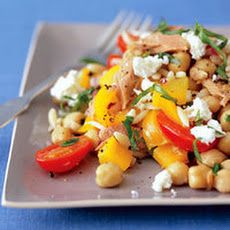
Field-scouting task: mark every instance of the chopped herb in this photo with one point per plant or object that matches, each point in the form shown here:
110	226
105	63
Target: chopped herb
196	151
68	98
198	119
204	36
156	88
164	28
131	134
216	168
171	58
89	60
83	100
69	142
227	118
217	132
146	54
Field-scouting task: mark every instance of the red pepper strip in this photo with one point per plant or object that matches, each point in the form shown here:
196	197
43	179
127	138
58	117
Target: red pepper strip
179	135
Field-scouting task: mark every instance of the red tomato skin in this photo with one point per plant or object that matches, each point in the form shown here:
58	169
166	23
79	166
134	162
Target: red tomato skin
179	135
67	162
111	58
121	43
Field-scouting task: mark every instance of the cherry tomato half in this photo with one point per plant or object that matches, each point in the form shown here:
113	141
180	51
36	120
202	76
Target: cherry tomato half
179	135
59	158
125	38
113	59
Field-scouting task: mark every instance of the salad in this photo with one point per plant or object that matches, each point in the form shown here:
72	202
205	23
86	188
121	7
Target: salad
165	95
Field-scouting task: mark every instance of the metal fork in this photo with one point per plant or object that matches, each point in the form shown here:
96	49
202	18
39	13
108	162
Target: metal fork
105	45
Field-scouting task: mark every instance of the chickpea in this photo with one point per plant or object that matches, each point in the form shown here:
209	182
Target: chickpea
206	65
224	144
212	156
222	181
193	85
197	75
179	173
94	136
203	93
226	164
202	69
73	120
184	59
226	108
223	121
213	103
60	134
200	176
108	175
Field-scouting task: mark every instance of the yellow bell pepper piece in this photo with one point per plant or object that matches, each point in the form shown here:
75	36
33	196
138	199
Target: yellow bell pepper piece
84	79
151	131
177	88
112	151
107	78
103	99
86	127
167	106
168	154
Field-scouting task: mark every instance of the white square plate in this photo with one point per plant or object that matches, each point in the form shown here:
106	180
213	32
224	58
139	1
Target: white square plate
27	186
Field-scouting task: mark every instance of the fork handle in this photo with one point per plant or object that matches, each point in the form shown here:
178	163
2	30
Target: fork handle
13	108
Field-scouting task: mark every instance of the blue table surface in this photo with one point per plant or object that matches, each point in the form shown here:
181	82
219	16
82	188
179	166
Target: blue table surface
17	21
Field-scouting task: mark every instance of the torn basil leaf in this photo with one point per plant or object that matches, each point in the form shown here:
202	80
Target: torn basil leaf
164	28
171	58
227	118
131	134
156	88
216	168
69	142
196	151
204	35
82	100
89	60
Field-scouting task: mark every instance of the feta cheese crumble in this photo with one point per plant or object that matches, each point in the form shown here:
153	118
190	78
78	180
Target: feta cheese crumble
197	47
146	83
146	67
66	86
199	107
162	180
214	124
204	133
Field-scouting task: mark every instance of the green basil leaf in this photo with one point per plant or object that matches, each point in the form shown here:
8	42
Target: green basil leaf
198	119
131	135
227	118
89	60
204	34
196	151
156	88
69	142
216	168
164	28
83	100
171	58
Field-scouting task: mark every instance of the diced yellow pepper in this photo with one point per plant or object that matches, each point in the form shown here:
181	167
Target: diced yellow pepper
86	127
104	98
84	79
167	106
151	131
112	151
177	88
168	154
107	78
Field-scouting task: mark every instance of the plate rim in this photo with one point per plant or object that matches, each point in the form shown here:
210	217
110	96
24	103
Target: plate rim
87	202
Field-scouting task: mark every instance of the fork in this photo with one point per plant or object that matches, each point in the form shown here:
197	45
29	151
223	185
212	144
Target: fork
105	45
